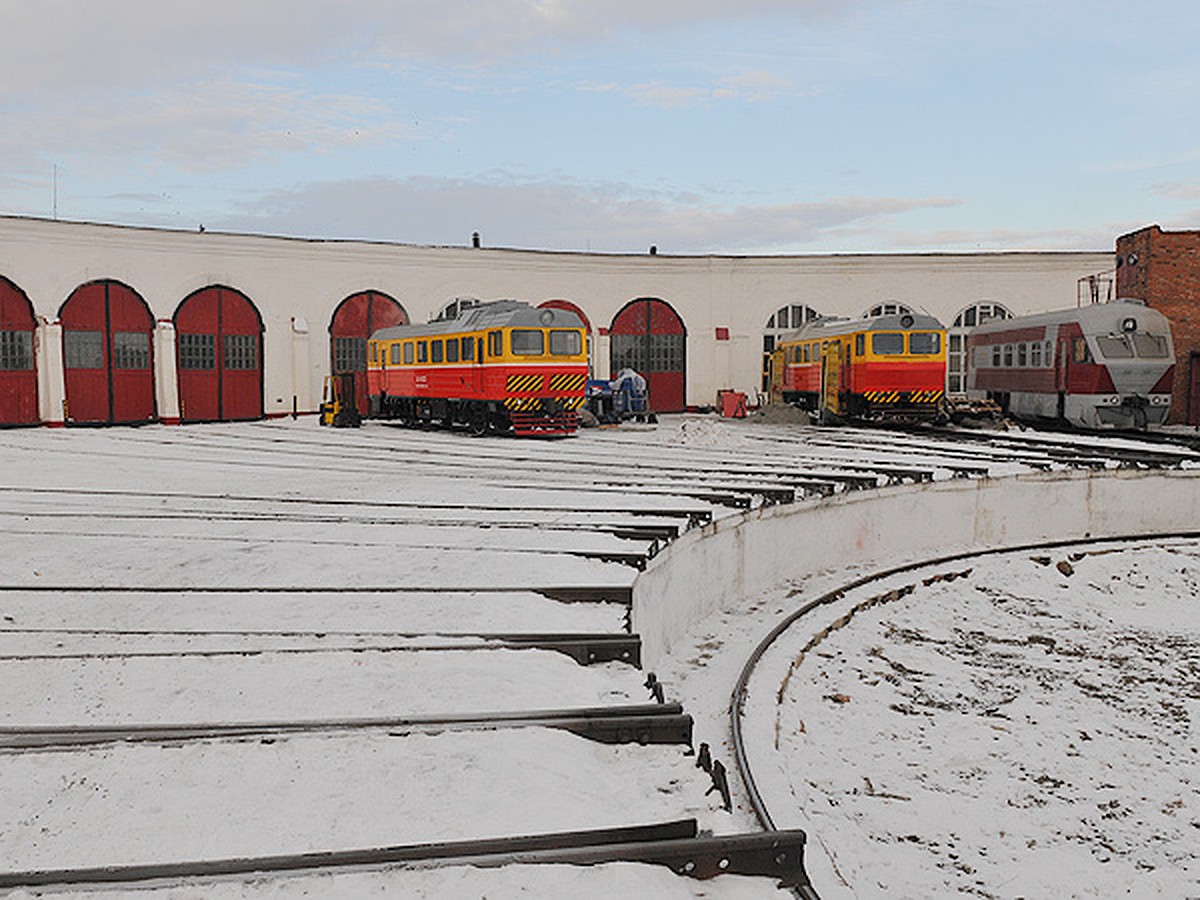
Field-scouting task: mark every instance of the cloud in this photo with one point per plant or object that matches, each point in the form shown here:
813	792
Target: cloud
204	127
60	45
553	215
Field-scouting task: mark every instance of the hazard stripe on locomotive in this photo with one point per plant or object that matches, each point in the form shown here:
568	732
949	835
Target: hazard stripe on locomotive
502	366
890	367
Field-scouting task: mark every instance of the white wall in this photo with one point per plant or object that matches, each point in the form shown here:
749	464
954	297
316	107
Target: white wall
740	557
291	280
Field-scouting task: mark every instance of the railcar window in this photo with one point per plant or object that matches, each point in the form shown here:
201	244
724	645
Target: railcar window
395	354
374	353
527	342
1048	354
996	355
495	343
924	342
422	351
435	351
565	343
1008	355
1114	347
1022	355
1035	354
860	345
452	350
805	354
1151	346
1080	352
887	343
816	354
409	353
468	348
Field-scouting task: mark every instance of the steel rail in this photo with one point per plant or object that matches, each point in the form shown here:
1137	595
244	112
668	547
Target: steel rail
740	691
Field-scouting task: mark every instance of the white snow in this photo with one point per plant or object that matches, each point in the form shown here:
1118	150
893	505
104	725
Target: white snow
968	698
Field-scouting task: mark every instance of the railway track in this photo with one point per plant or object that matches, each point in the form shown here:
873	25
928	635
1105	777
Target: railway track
288	593
798	647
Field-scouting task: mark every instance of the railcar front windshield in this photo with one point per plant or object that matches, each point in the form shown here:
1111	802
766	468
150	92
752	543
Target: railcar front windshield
887	343
925	342
1150	346
1114	347
565	343
527	342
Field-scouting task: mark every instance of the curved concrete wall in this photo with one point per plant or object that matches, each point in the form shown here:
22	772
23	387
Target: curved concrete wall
743	556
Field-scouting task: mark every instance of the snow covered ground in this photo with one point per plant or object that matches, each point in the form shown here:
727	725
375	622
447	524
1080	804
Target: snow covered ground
1023	728
471	529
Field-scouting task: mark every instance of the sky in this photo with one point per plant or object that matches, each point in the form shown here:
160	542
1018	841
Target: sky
696	126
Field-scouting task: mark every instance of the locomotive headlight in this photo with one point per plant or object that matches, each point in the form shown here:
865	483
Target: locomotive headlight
1129	324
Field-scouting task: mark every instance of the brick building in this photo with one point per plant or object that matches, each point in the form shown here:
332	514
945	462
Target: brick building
1162	268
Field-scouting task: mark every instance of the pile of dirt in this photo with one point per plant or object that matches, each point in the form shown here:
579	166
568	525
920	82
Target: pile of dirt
779	414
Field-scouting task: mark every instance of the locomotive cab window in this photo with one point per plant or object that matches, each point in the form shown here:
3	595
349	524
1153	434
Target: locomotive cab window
565	343
860	344
1114	347
435	351
1150	346
409	353
468	348
806	354
1080	352
926	342
527	342
816	352
1048	354
887	343
495	343
374	353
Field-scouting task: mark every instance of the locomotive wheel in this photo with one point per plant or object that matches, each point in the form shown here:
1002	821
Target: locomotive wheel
477	421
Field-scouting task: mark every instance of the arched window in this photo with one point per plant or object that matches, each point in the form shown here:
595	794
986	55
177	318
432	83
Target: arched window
956	344
888	308
785	319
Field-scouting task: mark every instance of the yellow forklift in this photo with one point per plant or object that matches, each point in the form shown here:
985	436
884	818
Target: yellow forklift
339	404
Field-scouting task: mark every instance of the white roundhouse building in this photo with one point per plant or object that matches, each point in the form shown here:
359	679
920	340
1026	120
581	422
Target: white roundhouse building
104	324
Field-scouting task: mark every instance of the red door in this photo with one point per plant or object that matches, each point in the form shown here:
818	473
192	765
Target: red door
107	355
18	377
356	319
649	337
218	335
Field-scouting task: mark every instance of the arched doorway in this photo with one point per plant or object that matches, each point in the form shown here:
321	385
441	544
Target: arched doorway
568	306
956	344
18	375
354	321
218	334
108	357
647	335
786	318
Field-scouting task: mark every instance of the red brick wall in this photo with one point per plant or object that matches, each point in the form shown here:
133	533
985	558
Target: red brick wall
1162	268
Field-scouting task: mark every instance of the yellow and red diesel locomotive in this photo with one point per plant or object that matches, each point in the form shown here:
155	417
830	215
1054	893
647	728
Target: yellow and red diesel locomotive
890	367
502	366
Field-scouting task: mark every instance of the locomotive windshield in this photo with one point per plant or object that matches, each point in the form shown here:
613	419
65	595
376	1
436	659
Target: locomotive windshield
924	342
887	343
528	342
1151	346
1114	347
565	343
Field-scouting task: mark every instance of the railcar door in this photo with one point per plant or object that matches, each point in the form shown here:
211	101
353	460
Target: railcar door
831	378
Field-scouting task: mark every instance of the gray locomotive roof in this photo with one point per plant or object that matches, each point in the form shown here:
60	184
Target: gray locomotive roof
1095	318
495	314
826	327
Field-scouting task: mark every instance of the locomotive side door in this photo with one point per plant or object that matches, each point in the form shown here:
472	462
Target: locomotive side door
1061	362
477	369
831	376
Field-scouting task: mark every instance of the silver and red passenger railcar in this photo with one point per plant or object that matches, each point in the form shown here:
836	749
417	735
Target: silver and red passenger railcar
1106	365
